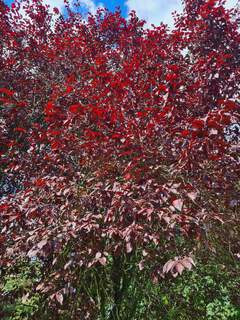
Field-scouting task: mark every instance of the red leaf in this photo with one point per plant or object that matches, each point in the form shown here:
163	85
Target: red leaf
185	133
169	266
59	297
141	265
192	195
4	206
18	129
75	108
40	182
69	89
55	132
103	261
230	105
198	124
127	176
129	247
42	243
55	10
179	268
213	124
22	104
50	109
116	136
162	87
6	91
98	255
178	204
187	264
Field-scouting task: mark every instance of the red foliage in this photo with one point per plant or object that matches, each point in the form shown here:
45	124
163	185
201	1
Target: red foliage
115	132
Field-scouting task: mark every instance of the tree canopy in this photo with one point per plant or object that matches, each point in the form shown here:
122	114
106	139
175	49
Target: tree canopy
113	135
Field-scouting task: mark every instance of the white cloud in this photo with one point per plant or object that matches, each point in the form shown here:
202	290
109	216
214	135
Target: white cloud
54	3
90	5
87	5
231	3
157	11
153	11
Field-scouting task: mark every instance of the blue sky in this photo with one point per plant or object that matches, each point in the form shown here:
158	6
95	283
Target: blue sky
153	11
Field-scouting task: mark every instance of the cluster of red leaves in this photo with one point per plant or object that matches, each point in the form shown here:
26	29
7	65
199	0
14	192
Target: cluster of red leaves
177	266
116	132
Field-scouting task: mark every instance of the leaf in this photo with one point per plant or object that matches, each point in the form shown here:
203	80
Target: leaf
230	105
187	264
59	297
40	182
25	297
6	91
49	108
185	133
98	255
42	244
129	247
103	261
127	176
178	204
19	129
75	108
141	265
179	268
116	187
154	279
197	124
40	287
56	10
169	266
144	253
32	253
167	219
68	264
192	195
191	261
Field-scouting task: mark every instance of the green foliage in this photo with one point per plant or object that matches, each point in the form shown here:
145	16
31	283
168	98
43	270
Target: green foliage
206	293
210	291
22	309
18	302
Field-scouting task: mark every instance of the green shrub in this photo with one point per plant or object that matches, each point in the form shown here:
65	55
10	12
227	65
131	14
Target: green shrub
210	291
18	302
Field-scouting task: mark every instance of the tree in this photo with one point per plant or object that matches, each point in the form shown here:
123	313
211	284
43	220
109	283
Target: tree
115	134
